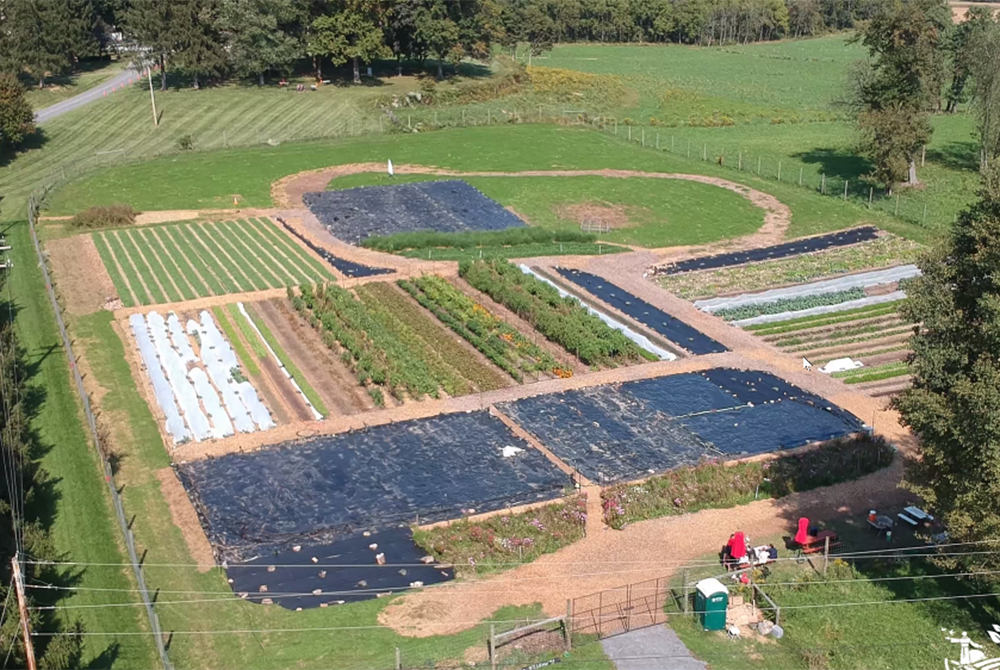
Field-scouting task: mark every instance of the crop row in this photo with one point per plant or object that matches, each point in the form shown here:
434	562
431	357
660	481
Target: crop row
790	304
381	348
474	239
507	348
561	320
873	373
879	326
176	262
819	320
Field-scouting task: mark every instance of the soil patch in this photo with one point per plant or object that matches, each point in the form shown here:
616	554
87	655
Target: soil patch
165	216
186	519
602	215
80	273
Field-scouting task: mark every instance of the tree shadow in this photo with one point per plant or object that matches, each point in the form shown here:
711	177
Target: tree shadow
956	155
67	78
837	163
106	659
35	140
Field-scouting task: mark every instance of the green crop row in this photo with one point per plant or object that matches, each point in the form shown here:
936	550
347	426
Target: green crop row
370	340
501	343
473	239
875	335
145	272
815	321
300	261
878	375
131	275
191	264
519	251
121	286
561	320
286	361
790	304
152	242
248	332
855	328
870	353
234	339
895	365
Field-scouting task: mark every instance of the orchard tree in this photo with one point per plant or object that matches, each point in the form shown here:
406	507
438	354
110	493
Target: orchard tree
892	95
16	116
954	404
256	36
351	34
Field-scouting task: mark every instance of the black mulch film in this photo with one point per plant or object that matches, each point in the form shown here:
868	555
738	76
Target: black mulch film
348	268
321	489
355	214
341	572
784	250
623	431
668	326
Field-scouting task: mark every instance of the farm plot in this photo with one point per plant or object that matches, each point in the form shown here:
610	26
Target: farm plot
196	378
183	261
355	214
329	487
391	345
803	246
611	433
346	267
562	320
670	327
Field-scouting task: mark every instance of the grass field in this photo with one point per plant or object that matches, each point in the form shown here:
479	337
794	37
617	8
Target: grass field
643	212
183	261
88	75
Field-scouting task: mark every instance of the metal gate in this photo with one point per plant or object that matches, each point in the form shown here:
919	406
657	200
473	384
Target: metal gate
620	610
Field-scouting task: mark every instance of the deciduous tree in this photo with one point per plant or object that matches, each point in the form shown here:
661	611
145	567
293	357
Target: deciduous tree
257	36
16	116
351	34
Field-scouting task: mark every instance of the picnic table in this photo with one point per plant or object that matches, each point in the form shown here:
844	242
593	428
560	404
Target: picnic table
914	515
817	543
881	523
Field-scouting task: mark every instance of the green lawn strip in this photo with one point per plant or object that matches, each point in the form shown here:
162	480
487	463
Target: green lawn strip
797	347
75	486
182	248
287	258
121	286
233	262
441	371
248	332
286	361
145	271
805	322
212	265
254	253
157	251
314	267
482	375
246	262
234	339
128	268
518	251
152	258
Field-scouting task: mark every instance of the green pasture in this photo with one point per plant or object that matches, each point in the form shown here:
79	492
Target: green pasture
170	262
658	212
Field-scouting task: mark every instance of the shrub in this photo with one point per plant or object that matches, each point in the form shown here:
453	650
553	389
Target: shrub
105	216
185	142
570	85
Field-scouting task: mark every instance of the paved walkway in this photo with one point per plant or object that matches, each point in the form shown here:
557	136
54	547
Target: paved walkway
653	648
88	96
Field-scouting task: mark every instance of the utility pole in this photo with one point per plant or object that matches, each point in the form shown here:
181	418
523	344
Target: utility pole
22	606
152	98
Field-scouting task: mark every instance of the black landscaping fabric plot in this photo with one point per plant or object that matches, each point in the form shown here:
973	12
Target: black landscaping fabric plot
355	214
313	576
327	487
628	430
784	250
349	268
670	327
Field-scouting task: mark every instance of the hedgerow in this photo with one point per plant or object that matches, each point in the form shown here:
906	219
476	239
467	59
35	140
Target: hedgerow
401	242
561	320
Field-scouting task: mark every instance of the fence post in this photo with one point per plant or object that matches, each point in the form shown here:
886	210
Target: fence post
826	553
493	646
643	135
871	194
822	184
689	148
924	221
923	155
409	123
800	176
671	144
704	151
399	660
539	113
758	166
463	117
568	624
779	170
657	141
739	165
630	133
896	212
489	116
684	589
435	117
616	125
845	190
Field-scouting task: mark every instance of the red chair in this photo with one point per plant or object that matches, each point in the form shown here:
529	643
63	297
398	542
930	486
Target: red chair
802	535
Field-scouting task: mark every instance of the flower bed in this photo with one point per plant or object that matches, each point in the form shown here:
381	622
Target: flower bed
715	484
503	541
561	320
500	342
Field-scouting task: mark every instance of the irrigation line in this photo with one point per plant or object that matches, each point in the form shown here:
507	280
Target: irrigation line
154	622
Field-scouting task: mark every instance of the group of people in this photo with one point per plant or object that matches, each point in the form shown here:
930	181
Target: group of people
739	553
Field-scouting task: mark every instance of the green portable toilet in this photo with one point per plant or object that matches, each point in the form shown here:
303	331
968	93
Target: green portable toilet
711	600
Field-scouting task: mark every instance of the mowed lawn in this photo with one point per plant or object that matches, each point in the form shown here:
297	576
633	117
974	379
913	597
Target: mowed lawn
183	261
642	211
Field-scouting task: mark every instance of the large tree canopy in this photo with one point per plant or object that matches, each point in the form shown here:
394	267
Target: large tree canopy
954	404
258	35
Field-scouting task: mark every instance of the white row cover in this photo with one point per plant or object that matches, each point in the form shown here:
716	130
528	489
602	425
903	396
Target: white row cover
277	360
861	280
639	339
212	404
825	309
